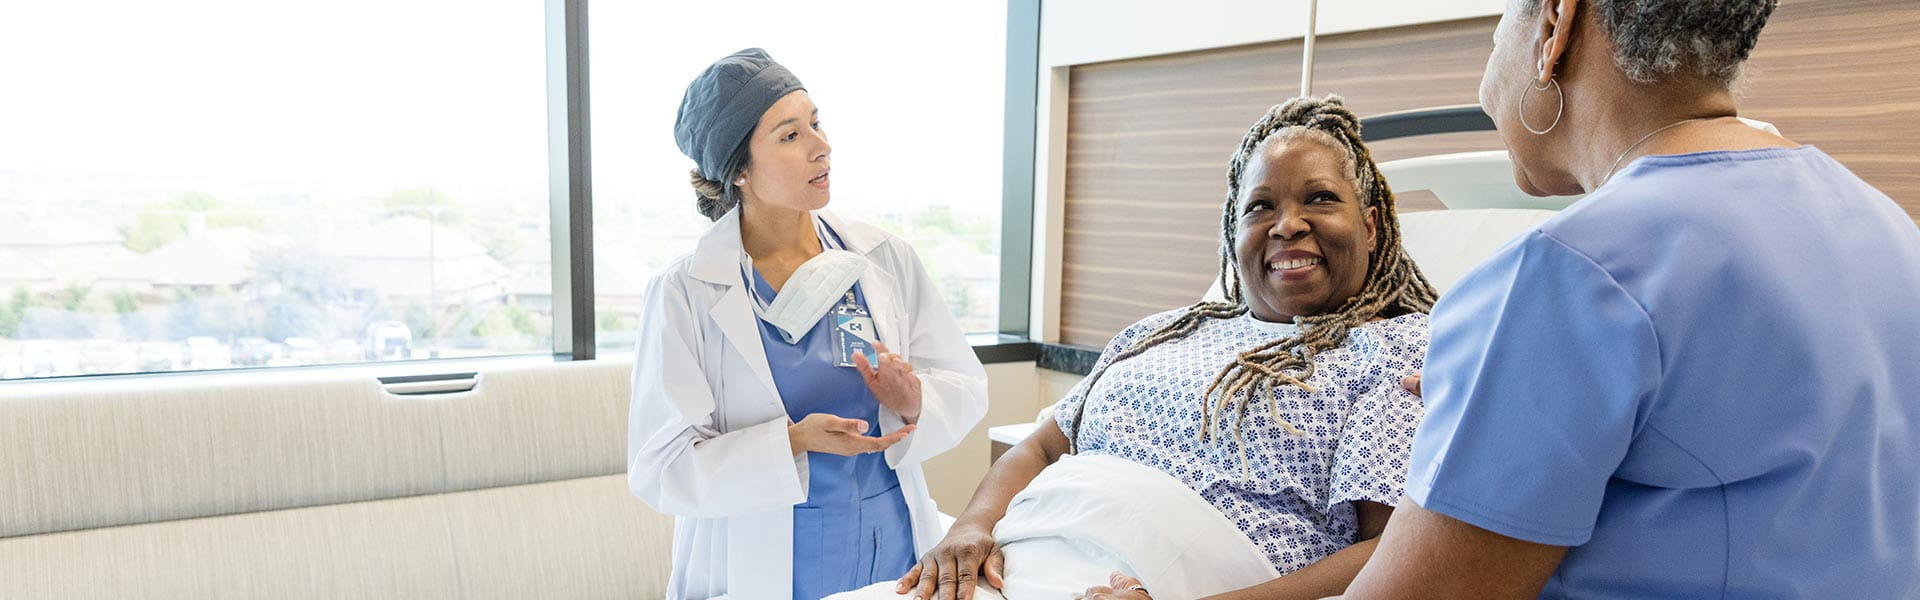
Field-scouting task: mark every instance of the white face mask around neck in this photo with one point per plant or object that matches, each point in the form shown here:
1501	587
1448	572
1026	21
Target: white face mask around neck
811	291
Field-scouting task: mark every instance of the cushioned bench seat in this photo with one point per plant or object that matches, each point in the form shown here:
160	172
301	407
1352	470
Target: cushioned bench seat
308	485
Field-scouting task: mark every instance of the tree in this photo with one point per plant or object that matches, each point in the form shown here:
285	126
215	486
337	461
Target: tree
960	297
133	321
296	318
217	314
425	203
496	232
124	302
420	321
160	223
42	322
506	327
75	296
12	311
938	217
613	322
522	321
298	290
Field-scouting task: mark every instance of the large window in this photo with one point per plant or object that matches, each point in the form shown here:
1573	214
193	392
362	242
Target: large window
208	184
910	93
213	184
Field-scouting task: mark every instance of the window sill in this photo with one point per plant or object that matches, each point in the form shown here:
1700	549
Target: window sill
386	372
992	348
1003	348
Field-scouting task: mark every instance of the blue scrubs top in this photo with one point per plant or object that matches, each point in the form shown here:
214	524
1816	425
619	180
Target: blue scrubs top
853	530
1702	378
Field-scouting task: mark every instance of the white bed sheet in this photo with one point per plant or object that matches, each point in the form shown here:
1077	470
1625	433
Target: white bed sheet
1088	516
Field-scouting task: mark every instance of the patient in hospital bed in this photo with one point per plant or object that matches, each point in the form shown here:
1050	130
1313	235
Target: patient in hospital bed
1257	441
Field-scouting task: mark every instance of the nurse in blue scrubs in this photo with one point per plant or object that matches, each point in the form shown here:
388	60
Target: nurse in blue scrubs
853	528
793	371
1696	382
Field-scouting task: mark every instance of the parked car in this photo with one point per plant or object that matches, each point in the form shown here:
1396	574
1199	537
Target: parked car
389	340
205	352
304	351
254	351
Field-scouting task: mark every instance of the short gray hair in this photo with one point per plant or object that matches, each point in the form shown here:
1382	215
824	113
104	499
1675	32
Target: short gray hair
1655	39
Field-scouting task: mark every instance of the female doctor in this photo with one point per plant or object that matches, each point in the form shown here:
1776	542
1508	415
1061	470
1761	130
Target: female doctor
790	461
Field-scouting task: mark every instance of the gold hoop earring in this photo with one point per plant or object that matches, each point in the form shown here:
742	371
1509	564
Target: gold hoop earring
1559	109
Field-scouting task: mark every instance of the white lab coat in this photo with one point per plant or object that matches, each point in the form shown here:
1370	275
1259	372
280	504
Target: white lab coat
707	430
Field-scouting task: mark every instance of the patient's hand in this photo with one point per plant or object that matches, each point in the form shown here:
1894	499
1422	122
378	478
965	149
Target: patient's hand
1412	383
950	570
1119	587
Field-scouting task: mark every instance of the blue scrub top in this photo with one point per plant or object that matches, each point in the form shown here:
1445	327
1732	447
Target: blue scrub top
854	529
1702	377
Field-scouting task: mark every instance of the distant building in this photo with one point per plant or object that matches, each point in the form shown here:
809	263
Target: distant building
204	260
20	272
72	252
408	259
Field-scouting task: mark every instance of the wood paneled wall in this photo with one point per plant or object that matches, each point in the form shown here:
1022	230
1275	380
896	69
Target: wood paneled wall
1844	75
1148	139
1148	142
1147	148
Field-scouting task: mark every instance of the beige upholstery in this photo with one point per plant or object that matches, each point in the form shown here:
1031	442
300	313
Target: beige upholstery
580	538
293	486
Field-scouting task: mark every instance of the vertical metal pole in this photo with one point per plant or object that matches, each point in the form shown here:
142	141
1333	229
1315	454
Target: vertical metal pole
1306	48
1017	202
433	278
570	179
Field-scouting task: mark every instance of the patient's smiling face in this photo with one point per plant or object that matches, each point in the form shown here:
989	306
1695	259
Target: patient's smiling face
1304	233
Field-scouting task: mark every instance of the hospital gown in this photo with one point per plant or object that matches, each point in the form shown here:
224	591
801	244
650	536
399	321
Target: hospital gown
1291	493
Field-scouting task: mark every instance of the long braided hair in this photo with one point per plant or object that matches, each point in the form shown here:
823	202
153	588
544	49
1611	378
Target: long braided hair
1394	285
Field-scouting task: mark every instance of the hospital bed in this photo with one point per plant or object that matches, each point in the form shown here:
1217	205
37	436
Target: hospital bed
1484	209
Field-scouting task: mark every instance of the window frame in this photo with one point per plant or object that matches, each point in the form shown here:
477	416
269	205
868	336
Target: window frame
570	180
570	207
571	197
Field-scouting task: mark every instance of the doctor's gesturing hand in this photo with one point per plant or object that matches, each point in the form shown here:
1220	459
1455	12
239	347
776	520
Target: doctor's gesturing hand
832	434
892	381
893	384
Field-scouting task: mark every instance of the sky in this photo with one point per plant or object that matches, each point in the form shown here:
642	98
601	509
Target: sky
910	93
362	96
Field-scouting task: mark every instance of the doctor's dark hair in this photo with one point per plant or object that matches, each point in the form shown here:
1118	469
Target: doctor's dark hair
1655	39
1394	285
714	198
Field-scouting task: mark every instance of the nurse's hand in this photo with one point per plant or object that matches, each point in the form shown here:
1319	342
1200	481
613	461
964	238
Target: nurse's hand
950	570
892	381
832	434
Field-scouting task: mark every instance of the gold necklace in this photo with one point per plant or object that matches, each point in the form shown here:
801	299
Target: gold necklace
1643	140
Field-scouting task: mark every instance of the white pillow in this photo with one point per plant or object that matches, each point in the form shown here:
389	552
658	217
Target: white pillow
1448	243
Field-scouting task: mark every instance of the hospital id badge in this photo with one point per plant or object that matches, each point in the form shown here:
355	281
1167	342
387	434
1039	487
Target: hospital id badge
852	334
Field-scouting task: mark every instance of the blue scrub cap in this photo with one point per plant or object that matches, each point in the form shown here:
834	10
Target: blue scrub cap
722	106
